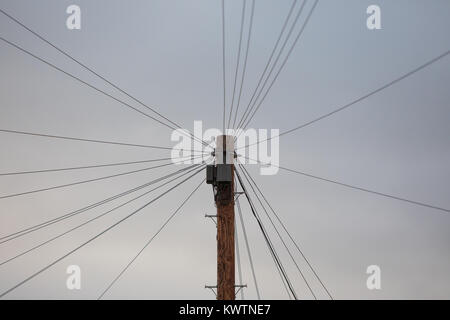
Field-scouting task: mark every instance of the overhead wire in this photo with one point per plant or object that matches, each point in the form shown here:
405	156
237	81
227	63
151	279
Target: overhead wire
238	257
82	182
150	241
63	217
250	28
238	254
90	220
290	236
283	64
14	173
280	36
360	188
267	239
353	102
244	3
252	267
245	173
94	72
223	63
93	238
96	141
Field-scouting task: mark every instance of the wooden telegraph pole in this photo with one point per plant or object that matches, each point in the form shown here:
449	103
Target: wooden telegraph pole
221	176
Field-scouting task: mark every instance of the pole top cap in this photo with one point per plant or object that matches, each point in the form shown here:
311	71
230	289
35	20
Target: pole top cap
224	149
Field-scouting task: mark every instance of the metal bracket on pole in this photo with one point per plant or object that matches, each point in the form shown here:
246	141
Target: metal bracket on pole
237	194
239	286
212	216
212	289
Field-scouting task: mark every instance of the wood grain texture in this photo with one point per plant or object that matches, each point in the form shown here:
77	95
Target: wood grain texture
225	242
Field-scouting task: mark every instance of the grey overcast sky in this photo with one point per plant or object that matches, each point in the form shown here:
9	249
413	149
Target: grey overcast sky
169	55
